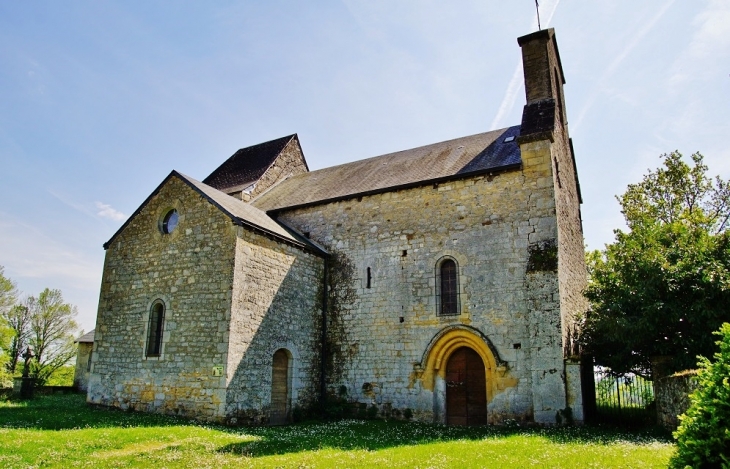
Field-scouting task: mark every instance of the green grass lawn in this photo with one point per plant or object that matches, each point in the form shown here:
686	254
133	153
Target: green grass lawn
61	431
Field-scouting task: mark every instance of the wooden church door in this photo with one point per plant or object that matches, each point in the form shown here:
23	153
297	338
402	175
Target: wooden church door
279	387
466	389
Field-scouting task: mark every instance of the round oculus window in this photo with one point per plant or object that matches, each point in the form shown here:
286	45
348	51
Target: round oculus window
169	223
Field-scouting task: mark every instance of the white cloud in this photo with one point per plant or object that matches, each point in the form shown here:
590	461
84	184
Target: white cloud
710	43
107	211
102	210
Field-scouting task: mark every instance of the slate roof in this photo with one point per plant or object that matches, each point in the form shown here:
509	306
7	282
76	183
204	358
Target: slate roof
237	209
481	153
247	165
87	338
240	213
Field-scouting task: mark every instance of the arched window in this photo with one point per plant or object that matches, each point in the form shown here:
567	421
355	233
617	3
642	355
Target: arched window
155	329
447	287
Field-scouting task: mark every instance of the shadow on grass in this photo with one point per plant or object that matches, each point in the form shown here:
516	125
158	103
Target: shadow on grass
378	435
65	412
70	411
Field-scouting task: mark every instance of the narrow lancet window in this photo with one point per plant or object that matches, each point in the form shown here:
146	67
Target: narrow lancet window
155	329
447	287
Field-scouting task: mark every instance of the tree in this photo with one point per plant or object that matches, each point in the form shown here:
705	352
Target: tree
5	338
663	285
52	330
18	320
45	323
8	297
703	436
8	293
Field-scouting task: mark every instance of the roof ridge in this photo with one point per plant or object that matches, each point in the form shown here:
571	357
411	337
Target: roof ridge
393	153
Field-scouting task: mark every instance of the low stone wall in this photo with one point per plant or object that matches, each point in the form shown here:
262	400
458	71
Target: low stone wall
672	397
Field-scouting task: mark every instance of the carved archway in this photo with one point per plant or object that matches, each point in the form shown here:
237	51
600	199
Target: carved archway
442	347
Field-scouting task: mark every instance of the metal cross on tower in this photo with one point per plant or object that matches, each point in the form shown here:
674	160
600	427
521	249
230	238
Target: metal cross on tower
537	7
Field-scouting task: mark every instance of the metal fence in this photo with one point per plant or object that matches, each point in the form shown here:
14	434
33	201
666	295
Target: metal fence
626	399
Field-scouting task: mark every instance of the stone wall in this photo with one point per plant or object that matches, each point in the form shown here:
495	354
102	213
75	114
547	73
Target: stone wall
545	115
486	223
572	273
81	371
542	282
191	271
276	304
672	397
547	152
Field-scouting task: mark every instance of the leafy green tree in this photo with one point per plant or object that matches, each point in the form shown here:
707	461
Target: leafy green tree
8	293
18	320
63	376
6	378
8	298
45	323
661	286
52	331
703	436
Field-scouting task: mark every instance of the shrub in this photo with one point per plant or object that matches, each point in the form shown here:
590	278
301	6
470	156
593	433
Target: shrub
703	436
63	376
298	414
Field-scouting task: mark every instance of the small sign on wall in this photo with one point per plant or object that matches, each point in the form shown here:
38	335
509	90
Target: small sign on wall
218	370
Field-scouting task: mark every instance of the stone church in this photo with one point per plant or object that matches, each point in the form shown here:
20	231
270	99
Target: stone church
438	283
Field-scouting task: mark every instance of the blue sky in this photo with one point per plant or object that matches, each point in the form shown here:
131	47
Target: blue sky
100	100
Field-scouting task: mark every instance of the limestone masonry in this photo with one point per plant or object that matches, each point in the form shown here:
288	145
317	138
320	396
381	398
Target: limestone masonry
439	283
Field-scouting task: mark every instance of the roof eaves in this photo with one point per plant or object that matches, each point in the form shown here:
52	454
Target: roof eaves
87	338
276	236
238	220
319	249
237	187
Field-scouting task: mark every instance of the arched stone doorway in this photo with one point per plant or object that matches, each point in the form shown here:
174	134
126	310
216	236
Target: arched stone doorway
280	387
466	388
436	359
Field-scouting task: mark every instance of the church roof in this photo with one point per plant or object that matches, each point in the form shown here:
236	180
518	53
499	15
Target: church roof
86	338
247	165
482	153
240	213
237	209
